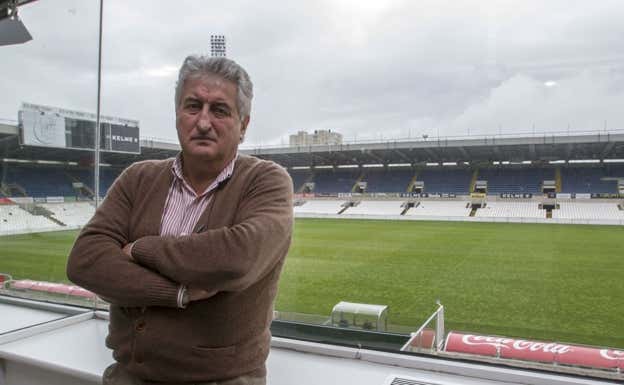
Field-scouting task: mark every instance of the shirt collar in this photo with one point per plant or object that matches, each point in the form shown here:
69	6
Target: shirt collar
226	173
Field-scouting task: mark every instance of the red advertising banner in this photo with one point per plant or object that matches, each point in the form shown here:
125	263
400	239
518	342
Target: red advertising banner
50	287
538	351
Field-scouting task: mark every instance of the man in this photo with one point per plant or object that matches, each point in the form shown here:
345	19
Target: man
188	251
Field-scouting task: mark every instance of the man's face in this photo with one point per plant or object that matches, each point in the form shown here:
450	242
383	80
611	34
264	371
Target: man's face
207	119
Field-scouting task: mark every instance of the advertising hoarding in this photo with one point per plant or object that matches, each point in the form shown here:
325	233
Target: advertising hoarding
46	126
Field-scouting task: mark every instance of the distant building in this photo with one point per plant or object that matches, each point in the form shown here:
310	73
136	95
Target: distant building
217	46
303	138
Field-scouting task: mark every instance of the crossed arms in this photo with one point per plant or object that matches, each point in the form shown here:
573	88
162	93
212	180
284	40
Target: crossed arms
222	259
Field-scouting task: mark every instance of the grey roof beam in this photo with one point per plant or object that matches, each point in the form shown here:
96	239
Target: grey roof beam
497	152
403	156
569	149
324	161
432	155
374	156
464	153
607	149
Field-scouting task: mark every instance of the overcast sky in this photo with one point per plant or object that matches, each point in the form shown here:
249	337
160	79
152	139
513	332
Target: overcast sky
367	69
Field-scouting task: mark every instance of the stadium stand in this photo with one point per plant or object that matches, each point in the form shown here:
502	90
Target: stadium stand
42	181
299	177
516	180
590	179
387	180
107	177
320	207
335	181
72	213
366	207
445	180
440	209
39	181
14	220
515	209
587	210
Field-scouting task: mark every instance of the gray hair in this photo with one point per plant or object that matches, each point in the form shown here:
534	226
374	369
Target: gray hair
196	66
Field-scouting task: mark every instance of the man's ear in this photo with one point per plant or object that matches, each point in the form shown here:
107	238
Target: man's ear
244	125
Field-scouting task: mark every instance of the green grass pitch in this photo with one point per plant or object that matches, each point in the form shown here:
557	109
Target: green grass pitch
541	281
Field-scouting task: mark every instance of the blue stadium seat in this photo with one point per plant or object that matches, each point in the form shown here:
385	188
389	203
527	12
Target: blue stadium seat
589	179
335	181
516	180
388	180
39	181
446	180
299	177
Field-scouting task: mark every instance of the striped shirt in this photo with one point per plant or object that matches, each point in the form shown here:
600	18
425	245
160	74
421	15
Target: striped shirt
183	206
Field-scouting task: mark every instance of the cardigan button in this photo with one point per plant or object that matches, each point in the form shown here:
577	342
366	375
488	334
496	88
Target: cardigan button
140	326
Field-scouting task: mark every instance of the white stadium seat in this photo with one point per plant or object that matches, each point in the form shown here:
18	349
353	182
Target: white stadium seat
377	208
498	209
71	213
320	207
440	209
14	220
586	210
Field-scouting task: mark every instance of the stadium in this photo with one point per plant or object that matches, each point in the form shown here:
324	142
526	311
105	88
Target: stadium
472	235
394	230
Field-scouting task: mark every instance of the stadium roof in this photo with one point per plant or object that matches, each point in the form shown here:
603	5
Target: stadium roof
485	149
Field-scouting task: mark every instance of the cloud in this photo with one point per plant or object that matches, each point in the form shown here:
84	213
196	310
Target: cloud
583	102
358	67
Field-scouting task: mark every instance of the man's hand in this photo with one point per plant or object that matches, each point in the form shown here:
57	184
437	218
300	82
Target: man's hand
198	294
127	249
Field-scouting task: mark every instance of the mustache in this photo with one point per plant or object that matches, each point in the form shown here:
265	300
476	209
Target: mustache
204	137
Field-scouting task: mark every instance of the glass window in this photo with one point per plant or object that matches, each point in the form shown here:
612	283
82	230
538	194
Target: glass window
490	226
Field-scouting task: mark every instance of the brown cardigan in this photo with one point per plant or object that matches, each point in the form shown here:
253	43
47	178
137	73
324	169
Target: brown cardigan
237	250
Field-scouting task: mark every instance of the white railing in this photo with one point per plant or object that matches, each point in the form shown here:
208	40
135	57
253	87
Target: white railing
438	338
465	219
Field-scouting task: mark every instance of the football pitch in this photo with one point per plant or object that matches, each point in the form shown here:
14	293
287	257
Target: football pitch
540	281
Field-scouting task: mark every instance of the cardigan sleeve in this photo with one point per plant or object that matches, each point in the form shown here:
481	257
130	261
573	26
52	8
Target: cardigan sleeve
230	258
97	263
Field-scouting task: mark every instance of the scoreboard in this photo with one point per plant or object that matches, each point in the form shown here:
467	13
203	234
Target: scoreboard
46	126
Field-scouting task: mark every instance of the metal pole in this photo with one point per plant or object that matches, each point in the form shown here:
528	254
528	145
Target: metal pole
96	163
440	329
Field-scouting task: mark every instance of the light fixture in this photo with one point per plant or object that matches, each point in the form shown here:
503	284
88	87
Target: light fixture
12	30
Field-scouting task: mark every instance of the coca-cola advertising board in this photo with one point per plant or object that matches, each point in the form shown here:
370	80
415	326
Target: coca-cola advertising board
538	351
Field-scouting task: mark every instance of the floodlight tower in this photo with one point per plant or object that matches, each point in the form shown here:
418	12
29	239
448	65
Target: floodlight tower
217	46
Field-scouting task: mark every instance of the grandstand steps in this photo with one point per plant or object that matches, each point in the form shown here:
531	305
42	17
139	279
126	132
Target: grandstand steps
558	179
354	188
548	209
309	179
473	181
346	207
409	205
41	211
82	190
411	183
56	221
13	190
